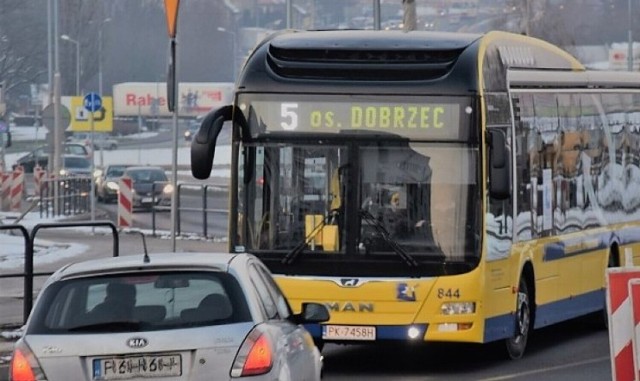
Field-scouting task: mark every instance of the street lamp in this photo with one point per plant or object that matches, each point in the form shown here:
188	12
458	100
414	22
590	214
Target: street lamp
71	40
233	42
108	19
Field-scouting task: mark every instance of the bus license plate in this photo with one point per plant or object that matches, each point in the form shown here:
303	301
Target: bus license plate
121	368
348	332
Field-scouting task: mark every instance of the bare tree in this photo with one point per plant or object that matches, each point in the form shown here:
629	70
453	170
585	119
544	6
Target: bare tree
22	44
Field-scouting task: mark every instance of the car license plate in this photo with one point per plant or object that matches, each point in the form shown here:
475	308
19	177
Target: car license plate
348	332
147	200
120	368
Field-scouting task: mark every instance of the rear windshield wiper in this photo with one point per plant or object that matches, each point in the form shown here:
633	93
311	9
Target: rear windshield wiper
408	259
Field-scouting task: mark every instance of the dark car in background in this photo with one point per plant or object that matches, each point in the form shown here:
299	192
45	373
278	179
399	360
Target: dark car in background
75	165
107	183
150	186
192	129
40	156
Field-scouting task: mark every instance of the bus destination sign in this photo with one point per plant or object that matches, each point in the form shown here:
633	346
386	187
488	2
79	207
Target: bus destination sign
413	120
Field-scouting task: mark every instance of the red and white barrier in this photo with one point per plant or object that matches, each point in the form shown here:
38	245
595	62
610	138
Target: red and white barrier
634	295
125	202
17	189
38	175
5	191
621	326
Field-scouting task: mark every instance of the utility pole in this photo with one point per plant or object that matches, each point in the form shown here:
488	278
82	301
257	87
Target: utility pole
410	19
630	41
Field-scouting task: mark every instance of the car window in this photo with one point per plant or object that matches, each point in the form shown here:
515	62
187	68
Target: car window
76	162
146	302
75	150
148	176
266	298
115	171
284	310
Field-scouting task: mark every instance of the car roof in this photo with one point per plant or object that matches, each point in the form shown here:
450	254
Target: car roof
157	261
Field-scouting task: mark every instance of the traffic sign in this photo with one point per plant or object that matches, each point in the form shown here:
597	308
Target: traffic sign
48	116
92	102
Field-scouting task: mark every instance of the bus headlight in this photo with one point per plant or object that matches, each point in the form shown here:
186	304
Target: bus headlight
414	332
458	308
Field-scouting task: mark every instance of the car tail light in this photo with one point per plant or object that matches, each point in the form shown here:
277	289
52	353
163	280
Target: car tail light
255	355
24	366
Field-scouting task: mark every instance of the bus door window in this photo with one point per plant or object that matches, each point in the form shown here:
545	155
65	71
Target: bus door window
546	122
499	217
572	143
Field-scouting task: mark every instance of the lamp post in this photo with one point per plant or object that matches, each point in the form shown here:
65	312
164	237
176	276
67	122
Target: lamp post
71	40
108	19
233	42
629	40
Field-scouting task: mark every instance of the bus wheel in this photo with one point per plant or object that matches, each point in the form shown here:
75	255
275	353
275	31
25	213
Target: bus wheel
602	318
518	342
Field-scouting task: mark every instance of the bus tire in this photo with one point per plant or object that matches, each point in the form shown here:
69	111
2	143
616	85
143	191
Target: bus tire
602	318
518	342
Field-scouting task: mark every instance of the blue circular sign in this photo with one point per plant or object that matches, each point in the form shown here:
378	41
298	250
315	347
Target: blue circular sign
92	102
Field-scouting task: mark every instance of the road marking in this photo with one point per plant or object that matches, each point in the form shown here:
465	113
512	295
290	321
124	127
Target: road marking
545	370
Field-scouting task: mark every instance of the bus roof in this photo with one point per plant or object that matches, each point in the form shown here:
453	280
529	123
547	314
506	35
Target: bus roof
396	62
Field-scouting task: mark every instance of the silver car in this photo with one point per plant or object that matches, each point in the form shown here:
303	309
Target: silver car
174	316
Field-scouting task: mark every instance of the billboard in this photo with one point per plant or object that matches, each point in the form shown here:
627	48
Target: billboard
149	99
102	119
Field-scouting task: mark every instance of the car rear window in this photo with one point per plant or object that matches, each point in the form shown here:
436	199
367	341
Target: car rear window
140	302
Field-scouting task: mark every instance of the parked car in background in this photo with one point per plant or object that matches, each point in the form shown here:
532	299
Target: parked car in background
150	186
100	140
107	183
41	155
193	316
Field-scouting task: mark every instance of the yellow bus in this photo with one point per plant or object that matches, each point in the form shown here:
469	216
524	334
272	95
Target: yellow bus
429	186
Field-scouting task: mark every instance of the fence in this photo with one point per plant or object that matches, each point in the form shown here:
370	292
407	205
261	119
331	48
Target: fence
65	196
29	241
204	210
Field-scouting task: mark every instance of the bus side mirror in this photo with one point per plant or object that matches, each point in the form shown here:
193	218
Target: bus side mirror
499	186
203	145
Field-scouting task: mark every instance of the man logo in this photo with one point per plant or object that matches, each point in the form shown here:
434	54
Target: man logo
349	282
137	342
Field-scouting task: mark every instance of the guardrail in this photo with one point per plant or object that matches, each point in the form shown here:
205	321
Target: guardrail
203	189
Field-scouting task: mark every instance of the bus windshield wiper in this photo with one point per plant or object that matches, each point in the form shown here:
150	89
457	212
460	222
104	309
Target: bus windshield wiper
295	252
408	259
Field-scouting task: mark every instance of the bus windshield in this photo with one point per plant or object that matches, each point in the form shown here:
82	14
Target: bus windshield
368	199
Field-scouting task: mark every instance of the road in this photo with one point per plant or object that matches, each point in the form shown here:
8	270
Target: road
574	350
